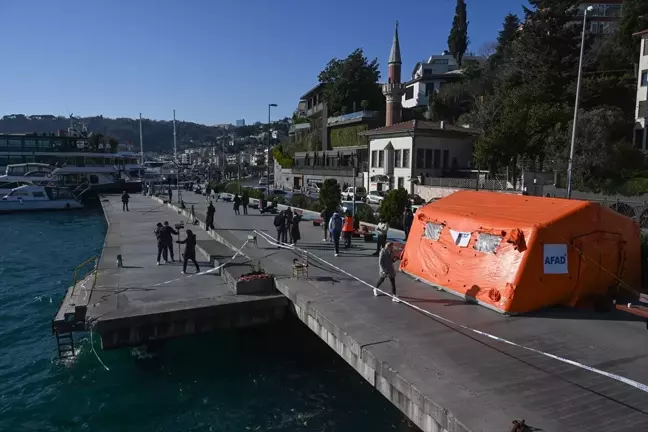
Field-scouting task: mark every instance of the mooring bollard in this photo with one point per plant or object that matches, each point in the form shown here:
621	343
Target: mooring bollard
119	261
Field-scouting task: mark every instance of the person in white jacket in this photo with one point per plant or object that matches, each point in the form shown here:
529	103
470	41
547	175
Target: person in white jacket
381	235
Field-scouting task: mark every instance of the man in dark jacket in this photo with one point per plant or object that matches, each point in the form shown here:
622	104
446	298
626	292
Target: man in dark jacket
161	247
408	218
287	235
190	251
125	197
209	221
167	233
245	201
280	224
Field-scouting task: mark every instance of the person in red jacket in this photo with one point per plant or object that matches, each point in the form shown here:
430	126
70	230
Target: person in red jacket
347	229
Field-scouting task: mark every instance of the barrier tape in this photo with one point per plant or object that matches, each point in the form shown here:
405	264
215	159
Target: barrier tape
619	378
211	270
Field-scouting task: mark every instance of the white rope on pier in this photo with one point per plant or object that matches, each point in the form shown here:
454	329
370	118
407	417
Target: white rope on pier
211	270
619	378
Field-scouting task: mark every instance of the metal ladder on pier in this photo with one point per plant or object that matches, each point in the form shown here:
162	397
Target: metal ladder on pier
65	345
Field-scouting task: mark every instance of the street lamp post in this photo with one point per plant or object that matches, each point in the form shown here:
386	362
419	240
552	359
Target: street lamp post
268	157
576	104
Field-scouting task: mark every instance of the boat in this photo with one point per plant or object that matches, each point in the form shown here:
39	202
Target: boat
33	198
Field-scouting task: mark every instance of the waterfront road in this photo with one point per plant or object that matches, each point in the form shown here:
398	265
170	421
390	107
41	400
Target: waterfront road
482	383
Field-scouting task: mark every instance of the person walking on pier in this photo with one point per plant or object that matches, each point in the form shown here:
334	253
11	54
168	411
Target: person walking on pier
125	197
167	237
170	194
237	204
161	246
209	220
335	228
408	218
381	239
190	251
386	271
245	201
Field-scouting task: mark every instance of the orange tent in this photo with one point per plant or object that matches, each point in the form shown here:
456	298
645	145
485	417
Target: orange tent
516	253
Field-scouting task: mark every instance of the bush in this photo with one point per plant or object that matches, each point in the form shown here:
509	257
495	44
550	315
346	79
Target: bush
217	187
364	213
329	196
393	206
232	188
302	202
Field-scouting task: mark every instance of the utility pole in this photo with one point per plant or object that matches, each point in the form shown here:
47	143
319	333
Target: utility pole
141	141
576	104
268	156
175	143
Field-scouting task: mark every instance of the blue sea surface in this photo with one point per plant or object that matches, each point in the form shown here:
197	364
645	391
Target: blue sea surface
274	378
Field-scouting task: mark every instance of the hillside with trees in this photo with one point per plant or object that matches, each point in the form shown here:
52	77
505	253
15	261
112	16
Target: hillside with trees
522	99
157	134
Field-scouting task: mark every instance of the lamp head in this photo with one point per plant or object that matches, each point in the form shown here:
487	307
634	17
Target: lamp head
274	105
589	8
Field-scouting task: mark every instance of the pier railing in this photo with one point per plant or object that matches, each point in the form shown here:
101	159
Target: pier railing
95	261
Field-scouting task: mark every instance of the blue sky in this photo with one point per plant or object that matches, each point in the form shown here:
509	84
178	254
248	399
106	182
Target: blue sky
213	61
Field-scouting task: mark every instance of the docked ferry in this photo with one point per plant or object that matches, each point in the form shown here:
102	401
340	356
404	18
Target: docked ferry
68	160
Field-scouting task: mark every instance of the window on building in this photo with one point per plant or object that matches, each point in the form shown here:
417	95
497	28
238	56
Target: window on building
446	158
428	158
381	158
644	78
3	143
429	89
397	158
427	72
401	182
45	144
406	158
374	159
30	143
642	109
420	157
645	45
409	92
440	61
17	144
437	158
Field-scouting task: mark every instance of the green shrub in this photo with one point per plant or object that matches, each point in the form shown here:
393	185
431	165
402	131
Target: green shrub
217	187
232	188
393	206
329	196
364	213
302	202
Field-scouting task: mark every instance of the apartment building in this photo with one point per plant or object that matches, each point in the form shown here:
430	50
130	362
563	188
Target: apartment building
641	113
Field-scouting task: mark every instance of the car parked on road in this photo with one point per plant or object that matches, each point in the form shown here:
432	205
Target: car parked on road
357	194
375	197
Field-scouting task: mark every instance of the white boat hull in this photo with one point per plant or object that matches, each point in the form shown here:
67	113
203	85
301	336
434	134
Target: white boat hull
60	204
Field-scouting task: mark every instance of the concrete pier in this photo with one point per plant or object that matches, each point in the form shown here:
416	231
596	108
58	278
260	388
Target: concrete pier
142	302
440	372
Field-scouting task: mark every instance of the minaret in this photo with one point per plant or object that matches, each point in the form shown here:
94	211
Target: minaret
394	90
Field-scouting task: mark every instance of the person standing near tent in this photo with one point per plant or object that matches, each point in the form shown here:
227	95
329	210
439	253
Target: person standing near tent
245	201
190	251
408	218
347	229
381	235
237	204
209	220
335	228
386	271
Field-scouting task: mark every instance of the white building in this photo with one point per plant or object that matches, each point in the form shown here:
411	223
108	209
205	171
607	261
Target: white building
641	113
431	75
401	153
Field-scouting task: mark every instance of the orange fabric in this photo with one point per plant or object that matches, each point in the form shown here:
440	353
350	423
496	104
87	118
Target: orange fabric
525	270
348	224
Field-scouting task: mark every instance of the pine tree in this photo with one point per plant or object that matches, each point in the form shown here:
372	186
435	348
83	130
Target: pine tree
458	38
508	34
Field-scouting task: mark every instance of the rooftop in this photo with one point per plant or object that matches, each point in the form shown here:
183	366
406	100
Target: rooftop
418	126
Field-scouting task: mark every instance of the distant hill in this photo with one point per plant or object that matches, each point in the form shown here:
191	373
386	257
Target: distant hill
157	134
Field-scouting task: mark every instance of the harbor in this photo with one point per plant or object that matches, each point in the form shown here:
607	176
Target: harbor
445	363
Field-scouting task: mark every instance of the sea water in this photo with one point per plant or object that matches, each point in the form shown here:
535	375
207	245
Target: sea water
279	377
